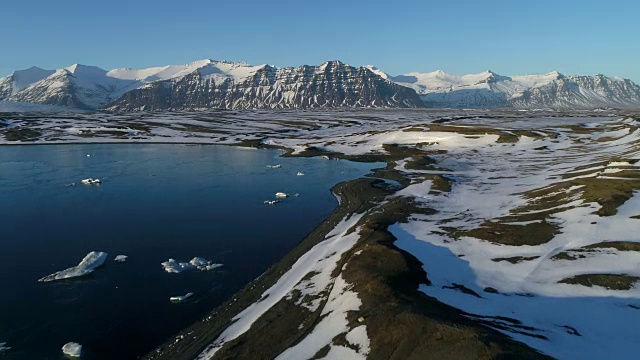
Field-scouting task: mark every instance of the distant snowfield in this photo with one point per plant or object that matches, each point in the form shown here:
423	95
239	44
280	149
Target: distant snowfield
21	107
527	168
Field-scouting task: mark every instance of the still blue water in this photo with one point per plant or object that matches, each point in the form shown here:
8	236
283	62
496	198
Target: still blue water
155	202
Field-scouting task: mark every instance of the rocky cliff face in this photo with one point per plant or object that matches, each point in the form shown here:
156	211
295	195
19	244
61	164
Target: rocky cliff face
332	84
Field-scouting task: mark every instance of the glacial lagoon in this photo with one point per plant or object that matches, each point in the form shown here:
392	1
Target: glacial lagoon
154	202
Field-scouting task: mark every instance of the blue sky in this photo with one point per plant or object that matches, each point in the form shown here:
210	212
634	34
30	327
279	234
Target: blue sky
509	37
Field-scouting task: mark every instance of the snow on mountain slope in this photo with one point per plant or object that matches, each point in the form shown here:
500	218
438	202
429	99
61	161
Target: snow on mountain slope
79	86
90	87
21	79
210	83
240	86
490	90
212	68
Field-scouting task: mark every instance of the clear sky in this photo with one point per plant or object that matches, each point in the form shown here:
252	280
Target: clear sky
458	36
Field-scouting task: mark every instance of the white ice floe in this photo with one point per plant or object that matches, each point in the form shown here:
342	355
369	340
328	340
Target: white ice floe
203	264
72	349
300	174
320	261
281	195
277	166
197	263
90	181
181	297
120	258
271	202
89	264
4	347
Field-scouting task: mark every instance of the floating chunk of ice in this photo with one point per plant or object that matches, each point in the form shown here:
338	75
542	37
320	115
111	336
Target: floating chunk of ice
271	202
277	166
72	349
181	298
90	181
203	264
300	174
173	266
121	258
281	195
4	347
92	261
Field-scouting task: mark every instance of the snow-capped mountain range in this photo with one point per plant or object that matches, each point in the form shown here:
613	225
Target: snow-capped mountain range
490	90
236	85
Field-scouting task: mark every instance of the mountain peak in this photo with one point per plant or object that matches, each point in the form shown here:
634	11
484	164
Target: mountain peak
85	70
33	68
332	63
378	72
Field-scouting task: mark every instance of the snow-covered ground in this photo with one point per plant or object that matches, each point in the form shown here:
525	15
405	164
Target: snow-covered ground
21	107
298	286
532	178
509	170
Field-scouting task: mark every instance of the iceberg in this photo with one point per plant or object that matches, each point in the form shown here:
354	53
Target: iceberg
277	166
89	264
4	347
173	266
72	349
203	264
271	202
90	181
120	258
181	298
300	174
281	195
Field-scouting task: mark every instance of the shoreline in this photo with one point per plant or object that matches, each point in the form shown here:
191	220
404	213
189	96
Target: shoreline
386	277
424	162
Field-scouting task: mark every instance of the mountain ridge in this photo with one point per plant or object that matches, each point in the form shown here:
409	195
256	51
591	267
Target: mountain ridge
237	85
